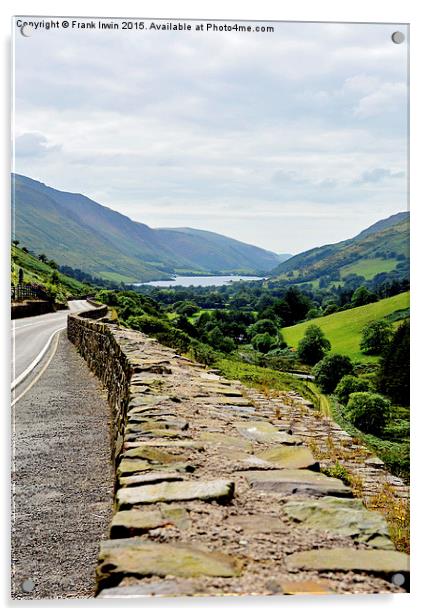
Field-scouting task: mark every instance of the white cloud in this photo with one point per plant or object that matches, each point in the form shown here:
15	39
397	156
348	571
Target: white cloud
388	97
206	130
34	145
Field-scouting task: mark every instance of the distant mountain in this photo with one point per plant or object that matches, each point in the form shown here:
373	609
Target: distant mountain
284	256
382	247
386	223
76	231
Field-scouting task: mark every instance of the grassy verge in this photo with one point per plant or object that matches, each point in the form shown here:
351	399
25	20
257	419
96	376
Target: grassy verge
265	379
323	403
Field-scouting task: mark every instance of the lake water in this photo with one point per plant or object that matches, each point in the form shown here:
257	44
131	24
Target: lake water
198	281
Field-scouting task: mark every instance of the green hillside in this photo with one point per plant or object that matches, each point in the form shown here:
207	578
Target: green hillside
343	329
35	271
83	234
383	247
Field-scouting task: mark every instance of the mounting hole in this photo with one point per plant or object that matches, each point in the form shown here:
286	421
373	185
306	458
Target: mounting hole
26	30
28	585
398	579
397	37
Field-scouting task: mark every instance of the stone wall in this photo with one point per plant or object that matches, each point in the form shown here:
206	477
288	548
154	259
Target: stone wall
30	308
96	342
218	491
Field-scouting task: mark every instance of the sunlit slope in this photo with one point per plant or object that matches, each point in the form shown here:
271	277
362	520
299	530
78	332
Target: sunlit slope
343	329
382	247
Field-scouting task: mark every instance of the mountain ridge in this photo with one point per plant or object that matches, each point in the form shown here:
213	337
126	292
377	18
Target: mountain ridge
378	246
79	232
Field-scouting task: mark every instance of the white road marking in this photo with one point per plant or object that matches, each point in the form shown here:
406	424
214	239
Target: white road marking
41	371
37	360
14	329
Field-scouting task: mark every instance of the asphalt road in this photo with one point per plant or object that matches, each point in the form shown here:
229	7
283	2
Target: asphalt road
31	336
62	478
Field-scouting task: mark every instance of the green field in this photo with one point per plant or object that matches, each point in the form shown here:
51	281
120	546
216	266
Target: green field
369	267
115	277
343	329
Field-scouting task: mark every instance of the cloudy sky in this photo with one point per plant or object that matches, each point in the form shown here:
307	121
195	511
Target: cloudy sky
286	140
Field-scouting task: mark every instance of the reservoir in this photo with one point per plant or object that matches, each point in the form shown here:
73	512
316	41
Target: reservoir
198	281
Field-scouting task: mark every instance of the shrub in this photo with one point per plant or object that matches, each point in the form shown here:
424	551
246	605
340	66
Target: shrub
282	359
312	347
128	307
313	313
147	324
349	384
338	471
375	337
107	297
368	412
263	342
330	370
174	338
330	309
202	353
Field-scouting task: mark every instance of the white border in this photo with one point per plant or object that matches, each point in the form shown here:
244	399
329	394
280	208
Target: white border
404	11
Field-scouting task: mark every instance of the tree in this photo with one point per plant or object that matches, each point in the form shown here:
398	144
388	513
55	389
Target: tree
15	242
313	313
263	342
375	337
393	375
293	307
264	301
313	346
330	309
330	370
20	275
54	277
183	323
349	384
362	296
217	339
368	412
42	257
53	264
186	308
263	326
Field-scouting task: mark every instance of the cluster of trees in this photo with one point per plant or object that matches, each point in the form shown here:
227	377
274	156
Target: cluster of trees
280	302
225	330
367	402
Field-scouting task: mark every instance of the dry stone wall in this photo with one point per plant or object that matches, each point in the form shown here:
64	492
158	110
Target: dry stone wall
218	491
